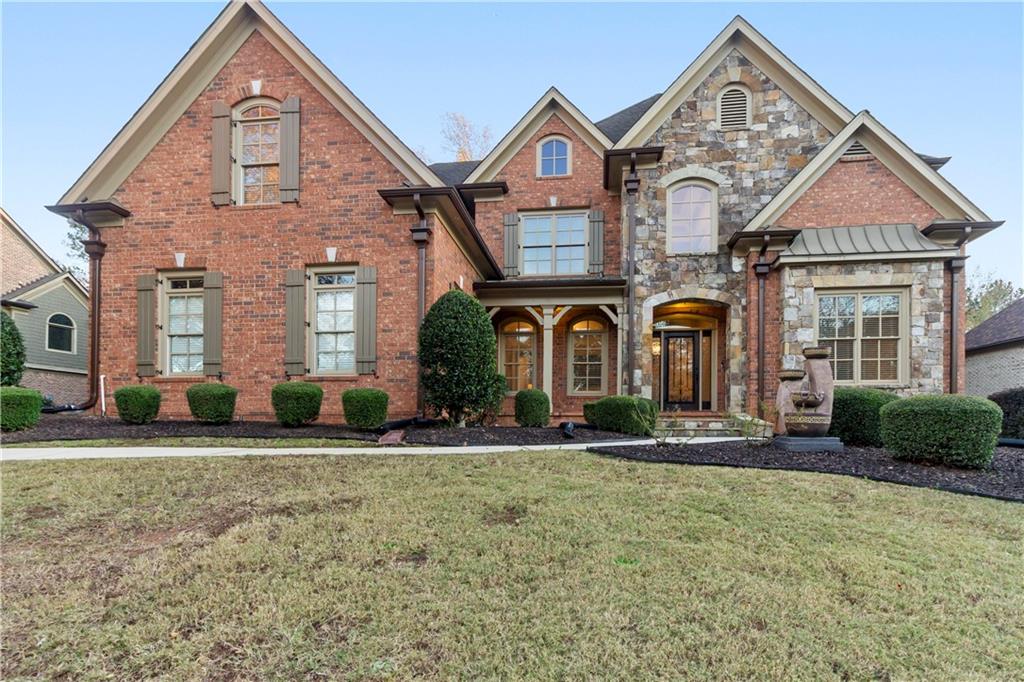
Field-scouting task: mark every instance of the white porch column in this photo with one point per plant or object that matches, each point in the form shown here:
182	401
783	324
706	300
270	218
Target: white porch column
549	341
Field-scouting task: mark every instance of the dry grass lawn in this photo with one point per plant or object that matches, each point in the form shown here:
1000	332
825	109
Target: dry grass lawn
532	565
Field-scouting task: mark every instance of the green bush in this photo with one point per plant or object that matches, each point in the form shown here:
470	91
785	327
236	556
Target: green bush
532	407
458	358
12	352
489	414
19	408
855	419
624	414
1012	403
296	402
212	403
137	404
957	430
365	408
590	413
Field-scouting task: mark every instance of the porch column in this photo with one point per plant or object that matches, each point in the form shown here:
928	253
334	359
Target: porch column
548	319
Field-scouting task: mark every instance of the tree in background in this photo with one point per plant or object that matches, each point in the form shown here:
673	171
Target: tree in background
463	139
73	241
987	295
12	352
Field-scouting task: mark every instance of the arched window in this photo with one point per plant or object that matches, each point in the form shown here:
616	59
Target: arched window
554	157
518	354
588	357
257	152
693	217
734	107
60	333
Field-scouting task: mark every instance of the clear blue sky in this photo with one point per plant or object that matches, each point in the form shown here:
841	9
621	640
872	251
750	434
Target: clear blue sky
947	78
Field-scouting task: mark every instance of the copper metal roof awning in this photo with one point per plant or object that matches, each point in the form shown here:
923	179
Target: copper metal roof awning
863	243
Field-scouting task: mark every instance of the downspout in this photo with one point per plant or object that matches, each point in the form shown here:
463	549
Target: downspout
421	236
95	247
761	269
956	267
632	186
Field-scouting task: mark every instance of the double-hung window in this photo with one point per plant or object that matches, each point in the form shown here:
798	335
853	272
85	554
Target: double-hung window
183	325
518	347
333	321
258	151
554	243
864	330
588	351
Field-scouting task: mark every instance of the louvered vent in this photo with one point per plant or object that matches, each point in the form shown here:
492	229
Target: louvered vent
856	149
734	109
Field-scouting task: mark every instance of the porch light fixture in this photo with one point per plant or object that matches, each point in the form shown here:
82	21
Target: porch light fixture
332	253
179	260
656	347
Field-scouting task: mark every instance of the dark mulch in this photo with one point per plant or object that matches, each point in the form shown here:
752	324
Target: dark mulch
66	426
504	435
1004	480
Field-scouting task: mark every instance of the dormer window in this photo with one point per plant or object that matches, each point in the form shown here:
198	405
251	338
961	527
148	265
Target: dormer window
554	157
734	107
257	150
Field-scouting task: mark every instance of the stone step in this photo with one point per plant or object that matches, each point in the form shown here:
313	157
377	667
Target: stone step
691	426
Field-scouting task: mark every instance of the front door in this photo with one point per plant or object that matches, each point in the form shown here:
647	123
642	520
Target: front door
680	376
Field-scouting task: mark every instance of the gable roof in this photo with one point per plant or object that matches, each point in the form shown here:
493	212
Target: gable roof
1006	326
619	123
741	36
453	172
13	297
551	103
888	149
193	73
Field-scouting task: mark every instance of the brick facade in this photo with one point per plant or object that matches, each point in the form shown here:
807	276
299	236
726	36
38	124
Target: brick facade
995	369
19	262
64	387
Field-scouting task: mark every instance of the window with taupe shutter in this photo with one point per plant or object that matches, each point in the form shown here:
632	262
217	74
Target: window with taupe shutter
734	108
295	323
511	244
596	243
366	319
213	323
290	150
221	158
145	325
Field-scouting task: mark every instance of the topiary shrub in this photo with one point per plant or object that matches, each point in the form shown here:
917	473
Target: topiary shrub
458	357
1012	404
19	408
296	402
855	419
12	352
957	430
624	414
532	407
365	408
137	404
212	403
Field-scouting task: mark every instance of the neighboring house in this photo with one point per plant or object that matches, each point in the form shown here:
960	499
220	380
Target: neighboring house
261	223
50	308
995	352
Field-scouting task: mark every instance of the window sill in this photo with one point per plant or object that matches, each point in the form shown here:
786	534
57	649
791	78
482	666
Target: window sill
256	207
332	377
158	379
553	177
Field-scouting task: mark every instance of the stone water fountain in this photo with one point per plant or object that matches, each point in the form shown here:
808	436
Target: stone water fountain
804	405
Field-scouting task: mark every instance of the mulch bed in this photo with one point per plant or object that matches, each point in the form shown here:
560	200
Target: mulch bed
505	435
1004	480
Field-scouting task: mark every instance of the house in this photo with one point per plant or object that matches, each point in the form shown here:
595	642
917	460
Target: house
255	222
995	352
49	306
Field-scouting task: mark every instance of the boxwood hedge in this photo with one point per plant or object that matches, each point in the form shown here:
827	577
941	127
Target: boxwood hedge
623	413
19	408
365	408
212	403
296	402
957	430
137	404
532	407
855	419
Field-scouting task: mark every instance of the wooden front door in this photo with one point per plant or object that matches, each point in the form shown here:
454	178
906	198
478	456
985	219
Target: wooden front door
680	375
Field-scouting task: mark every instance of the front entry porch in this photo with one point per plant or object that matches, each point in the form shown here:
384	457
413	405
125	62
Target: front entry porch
687	340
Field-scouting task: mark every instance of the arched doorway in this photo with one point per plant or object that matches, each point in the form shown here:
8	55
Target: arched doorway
687	348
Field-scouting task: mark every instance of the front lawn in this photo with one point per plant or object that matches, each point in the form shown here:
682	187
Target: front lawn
196	442
527	565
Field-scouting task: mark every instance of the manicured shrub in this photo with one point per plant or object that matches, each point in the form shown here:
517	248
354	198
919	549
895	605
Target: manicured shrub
12	352
19	408
855	419
458	358
489	414
296	402
212	403
365	408
590	413
624	414
957	430
137	404
1012	403
532	407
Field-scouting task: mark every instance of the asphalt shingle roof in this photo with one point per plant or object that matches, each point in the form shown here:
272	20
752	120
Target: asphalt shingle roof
454	172
619	123
1005	326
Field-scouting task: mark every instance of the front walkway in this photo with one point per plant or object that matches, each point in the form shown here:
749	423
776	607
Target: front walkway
29	453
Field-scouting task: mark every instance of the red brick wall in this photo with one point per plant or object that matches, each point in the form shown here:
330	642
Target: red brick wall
772	336
65	387
169	197
858	192
19	263
447	265
584	188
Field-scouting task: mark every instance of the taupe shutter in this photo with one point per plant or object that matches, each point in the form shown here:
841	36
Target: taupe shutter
290	150
295	323
366	319
145	326
221	169
213	323
511	244
597	242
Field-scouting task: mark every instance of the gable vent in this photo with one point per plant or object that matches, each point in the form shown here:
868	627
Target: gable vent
734	109
856	149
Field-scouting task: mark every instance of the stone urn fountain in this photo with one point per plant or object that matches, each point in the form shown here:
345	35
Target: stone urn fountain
804	403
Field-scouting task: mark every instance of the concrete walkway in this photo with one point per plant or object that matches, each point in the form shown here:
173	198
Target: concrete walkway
29	453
